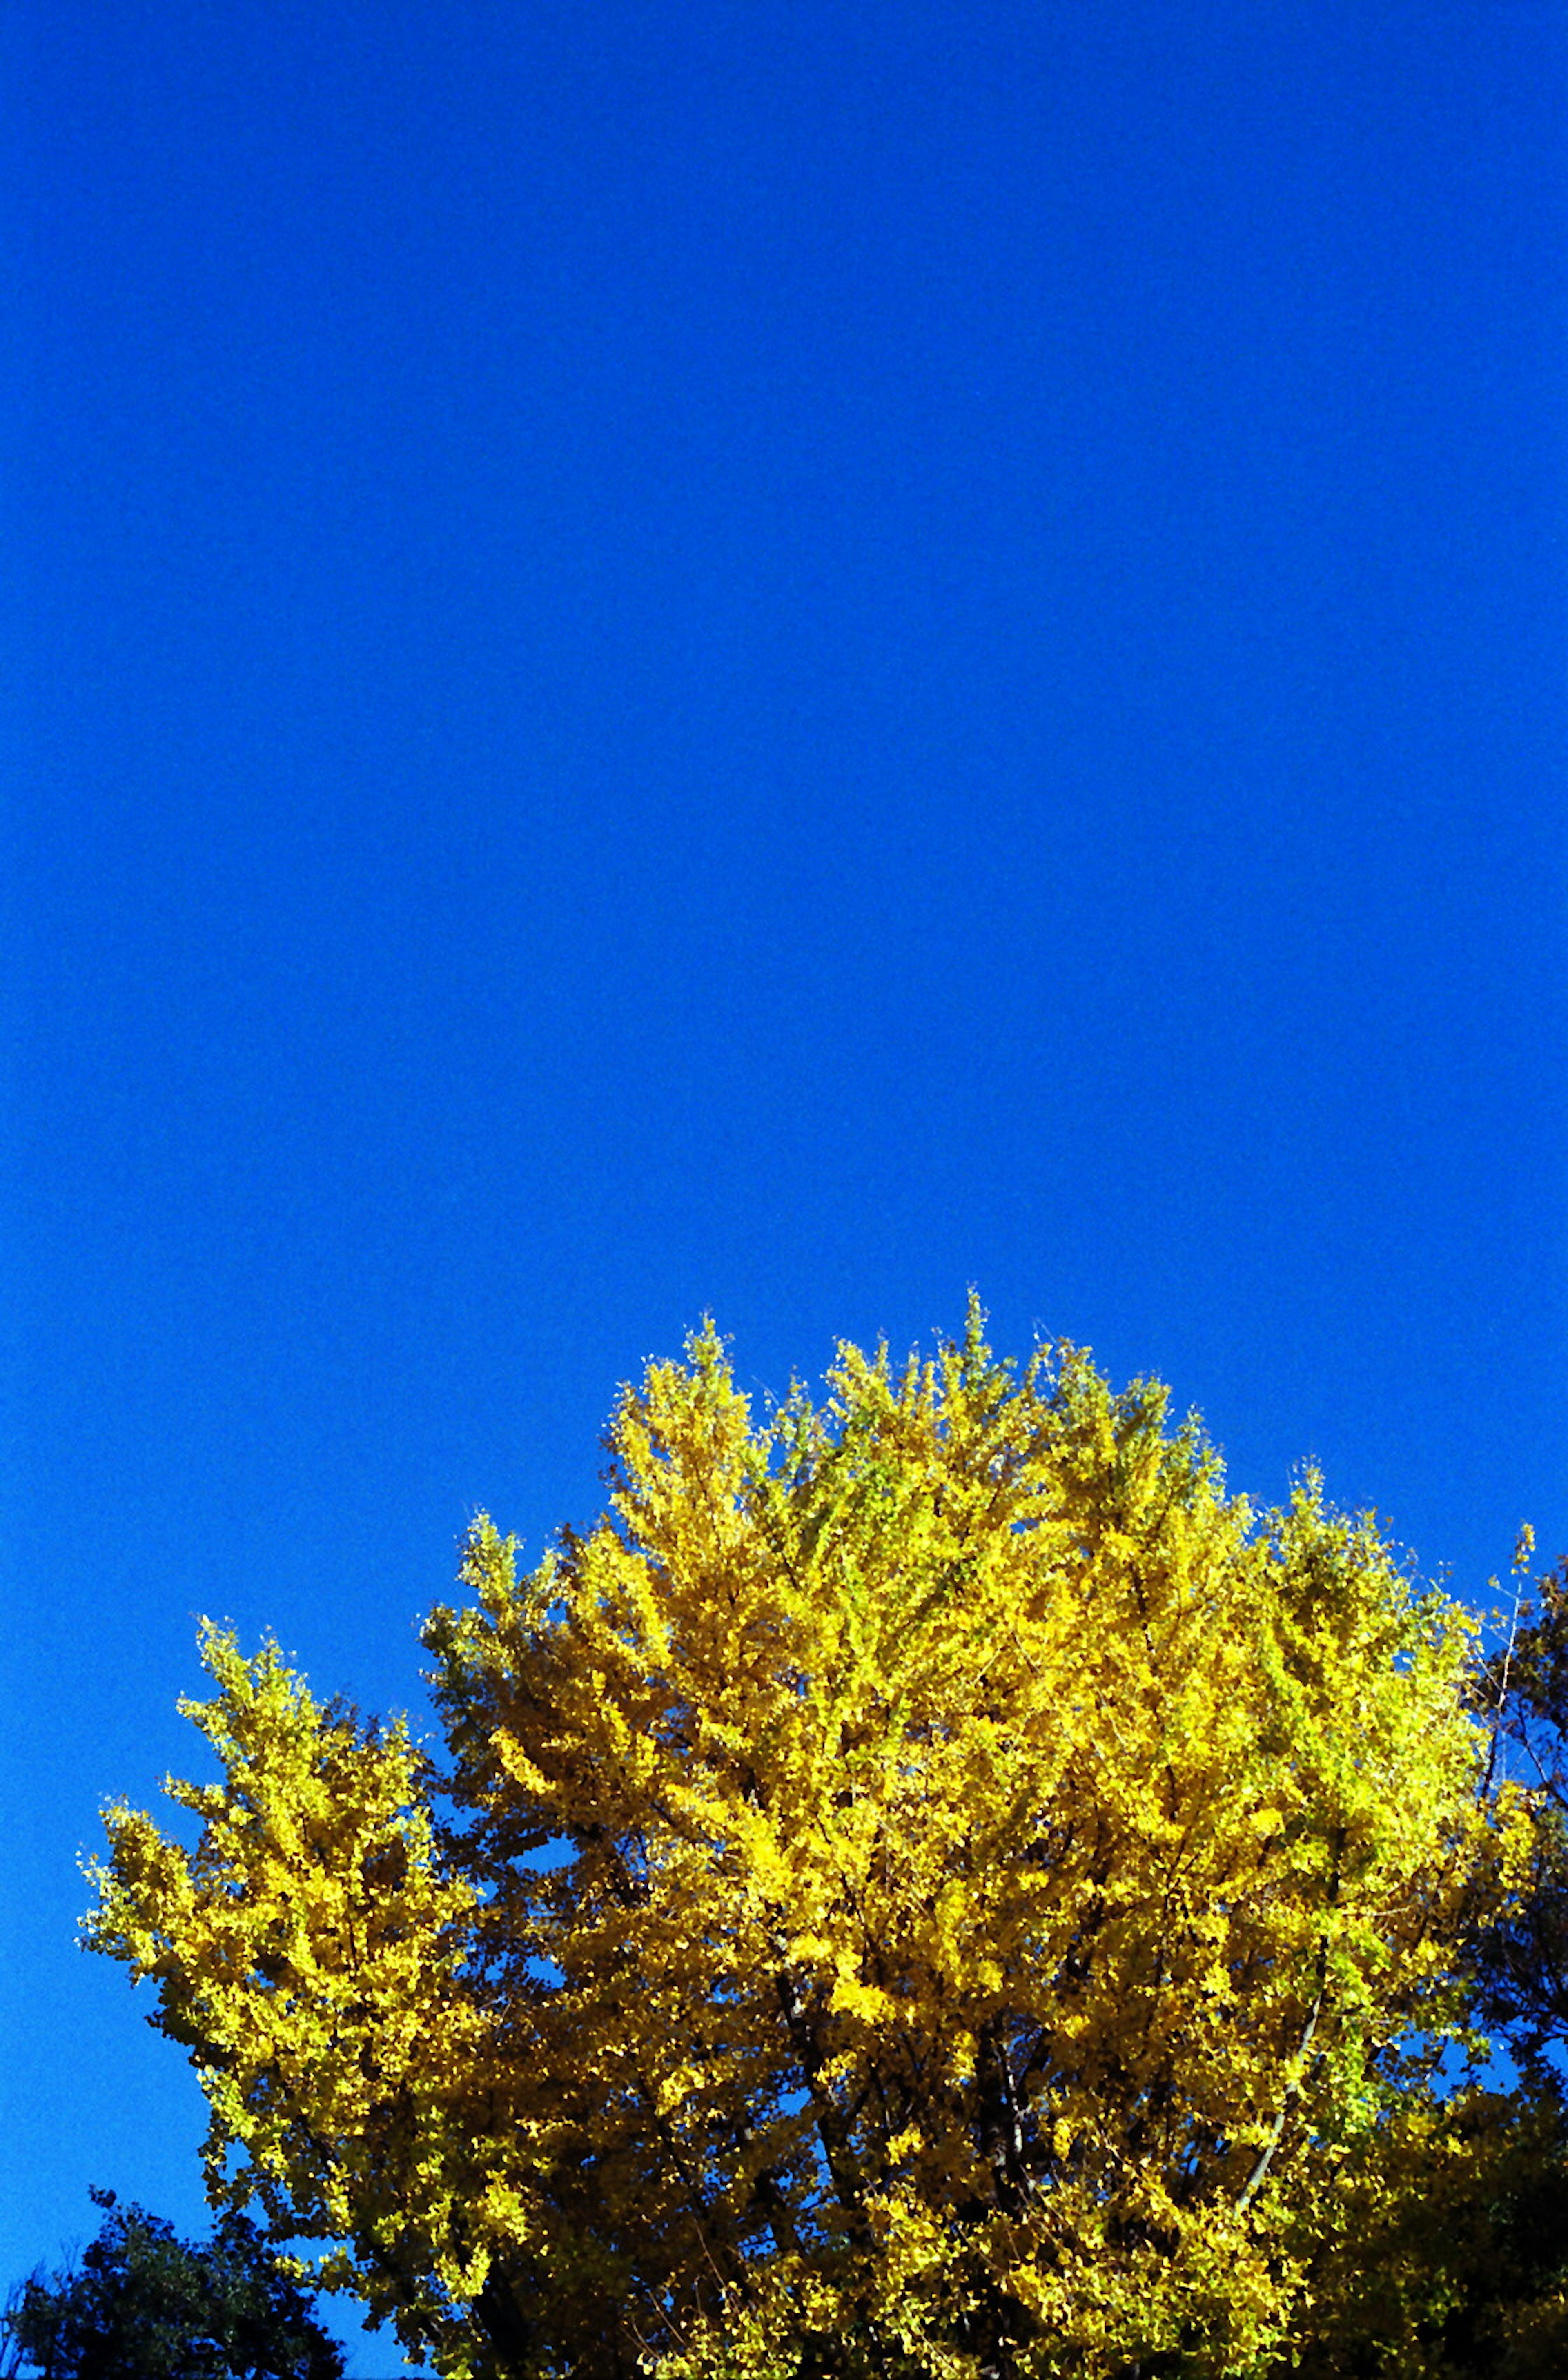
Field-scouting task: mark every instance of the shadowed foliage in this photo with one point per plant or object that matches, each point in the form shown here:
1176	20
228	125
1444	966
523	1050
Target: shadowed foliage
143	2305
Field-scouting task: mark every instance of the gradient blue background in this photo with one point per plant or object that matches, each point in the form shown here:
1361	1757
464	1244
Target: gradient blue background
772	657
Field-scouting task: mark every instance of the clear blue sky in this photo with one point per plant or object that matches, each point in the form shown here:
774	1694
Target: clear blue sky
774	657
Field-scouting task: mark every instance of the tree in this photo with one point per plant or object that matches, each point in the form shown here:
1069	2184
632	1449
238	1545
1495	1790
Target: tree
1520	1951
142	2305
926	1886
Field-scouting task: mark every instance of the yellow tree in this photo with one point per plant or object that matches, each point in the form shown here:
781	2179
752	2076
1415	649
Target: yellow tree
929	1885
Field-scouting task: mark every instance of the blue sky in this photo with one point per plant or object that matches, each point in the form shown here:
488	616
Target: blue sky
770	658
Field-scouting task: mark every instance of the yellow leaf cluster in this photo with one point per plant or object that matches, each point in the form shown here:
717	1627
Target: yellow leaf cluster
930	1885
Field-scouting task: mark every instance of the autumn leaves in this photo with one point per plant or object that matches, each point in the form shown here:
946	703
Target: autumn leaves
928	1883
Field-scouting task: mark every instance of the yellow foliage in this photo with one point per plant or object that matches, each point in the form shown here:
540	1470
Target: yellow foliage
931	1886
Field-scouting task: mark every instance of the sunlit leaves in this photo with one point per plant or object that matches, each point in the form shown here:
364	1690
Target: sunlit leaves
929	1885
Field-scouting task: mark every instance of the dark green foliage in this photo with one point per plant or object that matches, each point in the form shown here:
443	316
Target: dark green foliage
142	2305
1520	1956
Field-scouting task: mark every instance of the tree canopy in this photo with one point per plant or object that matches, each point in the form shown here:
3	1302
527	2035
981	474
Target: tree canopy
929	1884
142	2305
